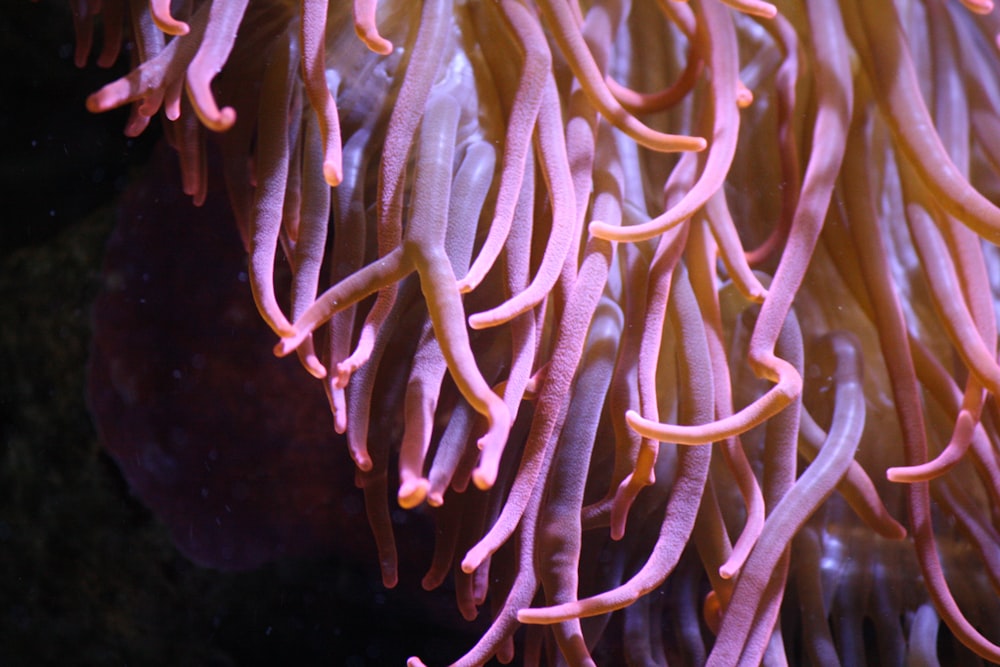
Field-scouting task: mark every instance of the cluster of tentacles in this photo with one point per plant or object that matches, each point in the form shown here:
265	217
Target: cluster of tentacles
722	364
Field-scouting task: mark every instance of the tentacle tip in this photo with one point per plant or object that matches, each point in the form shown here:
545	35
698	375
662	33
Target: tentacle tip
479	321
222	121
362	461
376	43
412	493
333	172
105	60
712	612
94	103
314	367
900	475
697	144
435	499
484	479
134	129
602	230
339	419
979	6
414	661
767	11
390	578
471	562
526	616
172	27
898	532
727	571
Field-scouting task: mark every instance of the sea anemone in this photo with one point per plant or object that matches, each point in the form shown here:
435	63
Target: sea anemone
697	296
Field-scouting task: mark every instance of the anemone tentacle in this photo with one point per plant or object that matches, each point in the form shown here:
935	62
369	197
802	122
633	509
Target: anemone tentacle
712	341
